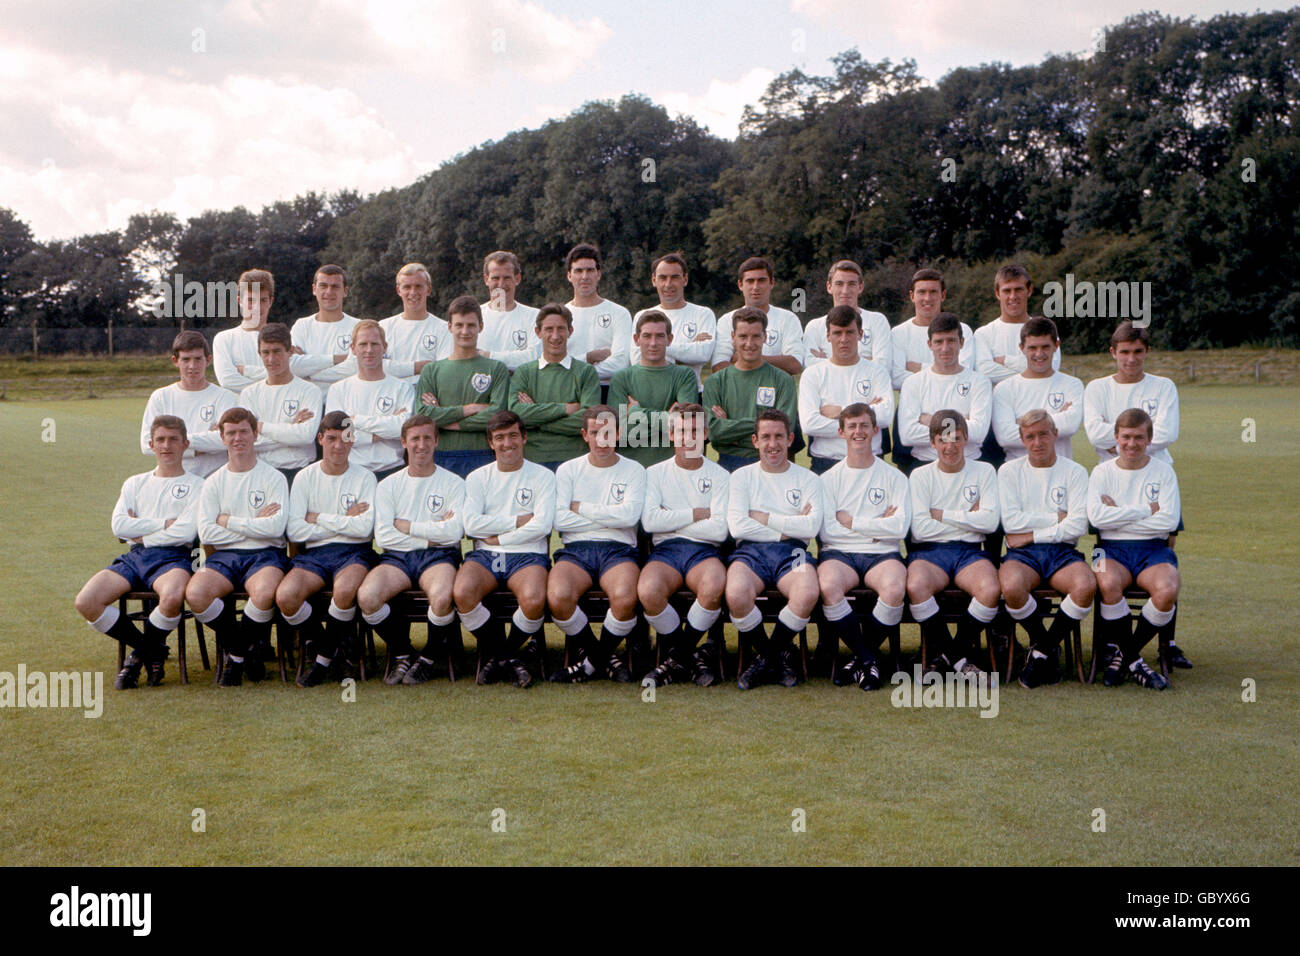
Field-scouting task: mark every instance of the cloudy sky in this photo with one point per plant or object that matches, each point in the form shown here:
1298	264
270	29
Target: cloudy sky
112	107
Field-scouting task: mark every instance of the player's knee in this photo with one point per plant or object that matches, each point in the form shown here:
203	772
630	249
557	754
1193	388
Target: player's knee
893	591
368	597
170	600
918	590
651	593
988	593
464	595
532	601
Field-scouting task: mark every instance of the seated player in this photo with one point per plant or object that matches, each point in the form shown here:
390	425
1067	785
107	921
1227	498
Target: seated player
549	394
508	334
195	401
1044	499
415	336
1133	503
644	392
419	524
736	392
1038	386
462	393
774	508
599	499
686	515
954	505
156	512
947	384
783	336
867	516
287	408
375	402
331	513
243	510
509	513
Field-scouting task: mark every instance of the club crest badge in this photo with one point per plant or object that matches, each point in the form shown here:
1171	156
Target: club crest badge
863	387
520	338
1149	405
970	493
766	396
343	343
347	500
705	485
963	389
384	403
430	343
1055	400
257	499
866	337
876	495
206	412
770	341
1152	490
794	496
603	320
617	491
180	491
524	497
480	382
688	330
1057	495
291	406
434	503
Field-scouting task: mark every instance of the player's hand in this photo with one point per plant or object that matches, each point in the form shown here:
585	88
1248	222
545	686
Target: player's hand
877	399
632	401
484	353
136	540
492	539
1066	406
340	358
402	525
1108	500
1000	359
223	519
269	510
844	518
523	398
297	350
936	514
305	415
419	365
571	407
759	516
130	513
474	408
453	427
807	509
575	505
311	516
598	355
914	366
168	523
523	519
239	369
975	505
428	399
700	514
817	353
360	508
1061	515
831	411
1155	506
703	337
449	515
260	423
924	419
1020	539
889	512
401	411
718	411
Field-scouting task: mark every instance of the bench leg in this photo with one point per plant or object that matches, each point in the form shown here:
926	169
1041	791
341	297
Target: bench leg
180	650
203	644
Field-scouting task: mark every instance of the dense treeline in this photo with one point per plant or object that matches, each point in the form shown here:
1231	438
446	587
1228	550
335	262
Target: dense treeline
1170	155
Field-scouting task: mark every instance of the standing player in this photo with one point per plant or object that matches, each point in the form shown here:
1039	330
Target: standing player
844	283
954	505
783	342
602	330
287	408
911	338
235	356
509	513
997	343
415	336
326	337
156	512
508	326
737	392
644	392
867	515
195	401
1130	387
774	508
1044	511
376	403
947	384
686	514
599	499
694	327
549	395
462	393
331	514
827	388
242	513
1038	386
1133	502
419	524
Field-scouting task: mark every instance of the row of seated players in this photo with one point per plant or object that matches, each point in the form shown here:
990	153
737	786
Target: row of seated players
862	509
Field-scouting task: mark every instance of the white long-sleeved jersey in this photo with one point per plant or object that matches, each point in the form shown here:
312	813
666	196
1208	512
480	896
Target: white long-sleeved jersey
199	411
876	344
610	500
955	495
237	347
330	496
912	344
927	391
377	409
494	499
784	336
829	384
1133	491
604	326
321	340
282	444
998	338
155	500
410	341
866	494
1105	398
510	337
1060	395
782	495
672	493
688	322
241	495
435	506
1032	497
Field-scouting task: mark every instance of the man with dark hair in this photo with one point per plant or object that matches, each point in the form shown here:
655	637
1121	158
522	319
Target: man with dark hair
1133	502
997	343
783	333
602	330
643	393
235	356
288	408
331	515
157	513
844	283
599	498
910	338
1038	386
462	393
195	401
325	338
549	394
509	513
774	508
694	327
827	388
508	326
945	384
737	392
1131	387
686	514
242	513
375	402
419	523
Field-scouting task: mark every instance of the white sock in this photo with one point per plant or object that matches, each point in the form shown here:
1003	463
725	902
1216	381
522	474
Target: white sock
526	623
300	616
475	618
378	617
574	624
615	626
925	610
666	621
342	613
700	617
161	621
1026	610
105	621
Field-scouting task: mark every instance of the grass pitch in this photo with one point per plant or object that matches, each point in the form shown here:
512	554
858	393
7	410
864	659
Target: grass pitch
593	774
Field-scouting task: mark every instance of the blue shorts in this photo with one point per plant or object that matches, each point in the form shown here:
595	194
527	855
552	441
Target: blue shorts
1044	559
238	566
461	463
820	466
950	556
772	560
597	557
682	554
1137	556
327	560
861	563
504	565
732	463
141	566
415	563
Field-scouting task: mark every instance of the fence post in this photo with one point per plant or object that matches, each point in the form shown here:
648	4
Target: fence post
35	347
110	338
1256	373
1191	370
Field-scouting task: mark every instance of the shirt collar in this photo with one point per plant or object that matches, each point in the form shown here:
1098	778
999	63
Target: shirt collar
567	362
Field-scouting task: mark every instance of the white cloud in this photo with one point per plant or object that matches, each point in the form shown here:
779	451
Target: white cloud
721	105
